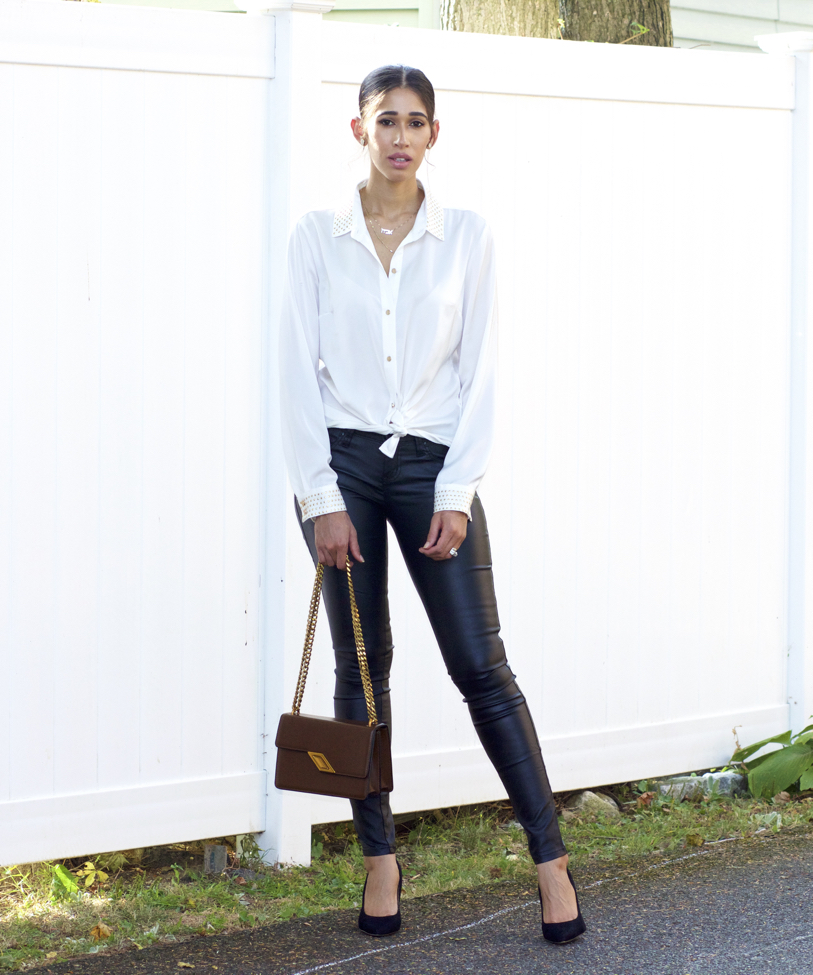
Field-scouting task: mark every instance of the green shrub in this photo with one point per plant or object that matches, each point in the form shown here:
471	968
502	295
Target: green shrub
788	767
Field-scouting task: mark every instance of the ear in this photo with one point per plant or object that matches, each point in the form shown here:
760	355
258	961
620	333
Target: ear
358	131
435	134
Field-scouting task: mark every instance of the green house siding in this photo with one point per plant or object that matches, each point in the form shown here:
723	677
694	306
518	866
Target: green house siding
723	25
730	25
401	13
222	6
394	13
400	17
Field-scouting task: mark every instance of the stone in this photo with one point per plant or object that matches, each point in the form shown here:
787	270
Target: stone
592	804
241	873
679	787
214	858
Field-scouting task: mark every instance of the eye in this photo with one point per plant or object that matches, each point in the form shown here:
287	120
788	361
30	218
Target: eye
418	123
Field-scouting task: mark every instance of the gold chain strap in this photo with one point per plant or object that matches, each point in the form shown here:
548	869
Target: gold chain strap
310	630
366	683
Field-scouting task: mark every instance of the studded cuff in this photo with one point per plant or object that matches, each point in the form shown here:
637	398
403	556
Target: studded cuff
454	497
321	502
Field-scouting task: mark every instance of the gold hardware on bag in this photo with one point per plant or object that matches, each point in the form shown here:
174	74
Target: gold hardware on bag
313	612
321	762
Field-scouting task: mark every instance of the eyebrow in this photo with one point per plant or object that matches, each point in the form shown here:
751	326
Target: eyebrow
421	114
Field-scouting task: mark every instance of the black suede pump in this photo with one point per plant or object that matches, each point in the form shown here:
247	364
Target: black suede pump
377	927
563	931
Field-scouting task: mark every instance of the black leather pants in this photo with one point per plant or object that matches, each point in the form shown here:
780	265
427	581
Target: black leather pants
458	595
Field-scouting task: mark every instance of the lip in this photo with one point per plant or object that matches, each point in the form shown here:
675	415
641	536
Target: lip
400	160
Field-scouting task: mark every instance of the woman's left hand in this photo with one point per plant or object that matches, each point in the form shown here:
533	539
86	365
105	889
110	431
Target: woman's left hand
447	530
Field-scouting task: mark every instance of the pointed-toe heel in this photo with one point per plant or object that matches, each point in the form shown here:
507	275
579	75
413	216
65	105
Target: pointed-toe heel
378	927
563	931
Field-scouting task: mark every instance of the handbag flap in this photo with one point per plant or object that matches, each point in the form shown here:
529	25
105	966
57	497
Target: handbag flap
347	746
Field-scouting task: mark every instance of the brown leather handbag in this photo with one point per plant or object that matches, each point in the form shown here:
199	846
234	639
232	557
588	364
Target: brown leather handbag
328	756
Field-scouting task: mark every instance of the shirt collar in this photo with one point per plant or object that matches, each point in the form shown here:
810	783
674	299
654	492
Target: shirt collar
349	218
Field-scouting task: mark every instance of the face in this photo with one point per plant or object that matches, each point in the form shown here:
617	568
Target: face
398	134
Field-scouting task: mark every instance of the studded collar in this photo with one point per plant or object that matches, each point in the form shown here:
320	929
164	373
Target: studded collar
350	217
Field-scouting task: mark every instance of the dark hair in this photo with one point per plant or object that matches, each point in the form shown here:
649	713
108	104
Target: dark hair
389	77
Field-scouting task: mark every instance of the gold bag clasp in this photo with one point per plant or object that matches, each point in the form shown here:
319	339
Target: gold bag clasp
321	762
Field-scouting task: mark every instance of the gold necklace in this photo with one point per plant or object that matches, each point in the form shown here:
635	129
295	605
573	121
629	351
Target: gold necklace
410	216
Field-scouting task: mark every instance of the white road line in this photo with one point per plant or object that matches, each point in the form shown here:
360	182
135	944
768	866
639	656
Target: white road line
485	920
777	944
415	941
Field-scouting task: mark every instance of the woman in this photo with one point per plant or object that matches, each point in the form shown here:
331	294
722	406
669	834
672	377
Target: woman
387	376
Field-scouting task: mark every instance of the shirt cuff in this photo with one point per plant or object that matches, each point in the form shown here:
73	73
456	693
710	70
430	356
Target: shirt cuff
454	497
321	502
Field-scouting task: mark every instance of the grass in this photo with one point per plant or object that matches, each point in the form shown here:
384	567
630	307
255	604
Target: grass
160	895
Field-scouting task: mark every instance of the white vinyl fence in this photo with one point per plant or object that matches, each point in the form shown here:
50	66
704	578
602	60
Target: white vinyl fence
648	496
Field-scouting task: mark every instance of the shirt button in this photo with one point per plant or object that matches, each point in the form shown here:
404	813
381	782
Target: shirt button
387	311
389	358
392	405
394	270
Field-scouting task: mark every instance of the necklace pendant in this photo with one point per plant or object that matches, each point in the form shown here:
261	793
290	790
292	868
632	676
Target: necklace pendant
389	233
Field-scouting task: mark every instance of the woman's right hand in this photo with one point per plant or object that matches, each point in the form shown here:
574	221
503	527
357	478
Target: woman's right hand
336	539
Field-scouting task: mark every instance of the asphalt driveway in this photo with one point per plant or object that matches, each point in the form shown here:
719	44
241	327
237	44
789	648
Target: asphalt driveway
738	908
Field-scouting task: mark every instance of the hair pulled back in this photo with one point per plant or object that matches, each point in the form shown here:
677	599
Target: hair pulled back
389	77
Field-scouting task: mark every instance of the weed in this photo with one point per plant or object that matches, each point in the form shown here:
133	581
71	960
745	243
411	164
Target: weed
790	766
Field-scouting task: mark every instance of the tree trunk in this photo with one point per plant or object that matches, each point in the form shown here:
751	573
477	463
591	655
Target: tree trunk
609	21
617	21
520	18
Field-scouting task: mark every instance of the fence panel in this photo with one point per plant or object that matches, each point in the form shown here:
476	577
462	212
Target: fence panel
132	501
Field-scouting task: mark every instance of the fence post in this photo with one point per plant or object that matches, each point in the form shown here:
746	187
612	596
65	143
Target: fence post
800	501
292	153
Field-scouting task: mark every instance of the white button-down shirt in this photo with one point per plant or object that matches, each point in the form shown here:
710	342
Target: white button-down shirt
409	353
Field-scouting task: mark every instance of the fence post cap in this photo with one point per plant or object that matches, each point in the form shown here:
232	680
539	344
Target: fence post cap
786	42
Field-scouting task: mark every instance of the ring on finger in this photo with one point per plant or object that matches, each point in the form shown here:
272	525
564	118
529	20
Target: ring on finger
453	552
